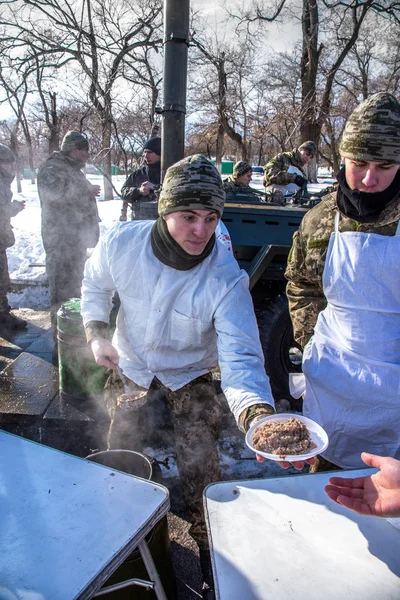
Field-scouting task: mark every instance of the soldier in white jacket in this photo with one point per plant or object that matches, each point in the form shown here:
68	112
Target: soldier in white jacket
185	308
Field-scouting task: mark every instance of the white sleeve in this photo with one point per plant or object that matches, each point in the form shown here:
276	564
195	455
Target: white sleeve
97	286
241	360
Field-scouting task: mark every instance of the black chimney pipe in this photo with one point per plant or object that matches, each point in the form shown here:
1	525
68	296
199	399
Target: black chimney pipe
176	42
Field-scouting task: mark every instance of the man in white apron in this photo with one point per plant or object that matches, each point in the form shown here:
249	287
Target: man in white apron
344	293
285	172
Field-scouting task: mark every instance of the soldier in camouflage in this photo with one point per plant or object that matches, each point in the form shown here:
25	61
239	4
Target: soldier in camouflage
240	179
70	219
8	209
343	291
143	182
185	307
285	172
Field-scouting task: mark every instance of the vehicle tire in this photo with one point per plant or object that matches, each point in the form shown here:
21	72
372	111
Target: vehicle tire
281	353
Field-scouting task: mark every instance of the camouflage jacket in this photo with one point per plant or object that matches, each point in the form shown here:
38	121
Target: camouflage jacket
69	207
231	187
276	170
7	238
307	259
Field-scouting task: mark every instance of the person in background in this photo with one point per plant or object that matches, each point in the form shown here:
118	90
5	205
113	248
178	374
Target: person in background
373	495
185	307
70	219
141	184
344	293
285	172
8	209
240	178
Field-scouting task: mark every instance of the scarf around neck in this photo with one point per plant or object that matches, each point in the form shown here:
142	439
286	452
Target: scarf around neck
154	172
170	253
363	206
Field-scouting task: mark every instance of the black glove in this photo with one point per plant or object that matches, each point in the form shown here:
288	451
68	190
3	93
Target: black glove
300	181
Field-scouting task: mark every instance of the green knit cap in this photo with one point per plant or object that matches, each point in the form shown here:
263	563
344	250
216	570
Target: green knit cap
372	132
309	146
73	140
193	183
241	168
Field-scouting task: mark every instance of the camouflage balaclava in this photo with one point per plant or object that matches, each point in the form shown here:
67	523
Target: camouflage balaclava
372	132
240	169
193	183
6	156
309	147
73	140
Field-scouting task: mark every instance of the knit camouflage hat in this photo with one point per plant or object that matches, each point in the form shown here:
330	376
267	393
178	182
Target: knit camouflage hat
240	169
193	183
6	156
73	140
309	147
372	132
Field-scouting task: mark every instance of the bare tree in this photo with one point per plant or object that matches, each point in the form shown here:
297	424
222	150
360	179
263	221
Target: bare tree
98	36
16	95
223	83
346	19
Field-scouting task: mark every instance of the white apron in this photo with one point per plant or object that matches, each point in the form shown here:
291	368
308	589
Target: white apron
352	362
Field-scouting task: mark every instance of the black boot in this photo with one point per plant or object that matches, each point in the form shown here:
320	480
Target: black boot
206	569
11	322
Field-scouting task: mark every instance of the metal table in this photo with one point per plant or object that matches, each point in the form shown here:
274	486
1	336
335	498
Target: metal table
284	539
66	523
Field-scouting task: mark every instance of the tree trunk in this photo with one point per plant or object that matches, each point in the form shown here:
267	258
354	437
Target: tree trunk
54	140
219	147
14	150
310	128
31	161
106	141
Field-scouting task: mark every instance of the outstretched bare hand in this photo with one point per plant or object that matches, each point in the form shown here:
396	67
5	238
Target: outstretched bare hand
373	495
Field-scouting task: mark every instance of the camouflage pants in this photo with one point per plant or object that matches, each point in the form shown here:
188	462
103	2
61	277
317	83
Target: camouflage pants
4	281
196	412
64	267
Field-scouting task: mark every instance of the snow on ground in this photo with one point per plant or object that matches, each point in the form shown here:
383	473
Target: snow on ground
28	248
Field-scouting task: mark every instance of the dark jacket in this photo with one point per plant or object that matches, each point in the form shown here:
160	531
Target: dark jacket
130	190
69	207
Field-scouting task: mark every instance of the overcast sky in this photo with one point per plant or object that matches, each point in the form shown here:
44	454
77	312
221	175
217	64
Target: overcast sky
277	35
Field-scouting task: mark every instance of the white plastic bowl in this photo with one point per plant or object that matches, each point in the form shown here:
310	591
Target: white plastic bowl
317	434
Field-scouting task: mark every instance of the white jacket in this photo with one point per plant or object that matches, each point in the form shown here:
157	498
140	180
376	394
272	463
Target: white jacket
177	325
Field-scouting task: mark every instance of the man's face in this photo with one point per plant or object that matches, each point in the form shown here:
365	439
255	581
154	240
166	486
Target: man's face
81	154
150	157
369	176
192	229
244	179
306	156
